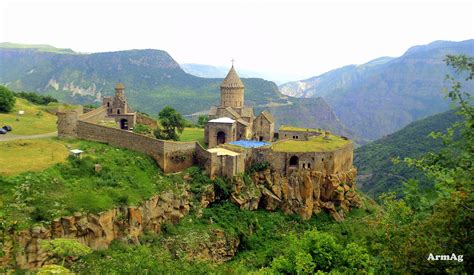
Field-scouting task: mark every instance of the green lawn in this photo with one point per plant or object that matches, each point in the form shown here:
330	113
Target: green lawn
34	121
30	155
314	144
192	134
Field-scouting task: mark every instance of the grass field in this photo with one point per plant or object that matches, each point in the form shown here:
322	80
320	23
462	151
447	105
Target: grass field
30	155
314	144
193	134
34	121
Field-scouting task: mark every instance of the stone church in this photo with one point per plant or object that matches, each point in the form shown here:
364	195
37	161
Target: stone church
118	108
232	120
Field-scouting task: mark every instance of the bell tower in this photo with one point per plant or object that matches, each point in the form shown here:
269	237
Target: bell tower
232	90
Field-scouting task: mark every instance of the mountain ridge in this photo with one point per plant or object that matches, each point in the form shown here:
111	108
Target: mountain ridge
153	80
382	98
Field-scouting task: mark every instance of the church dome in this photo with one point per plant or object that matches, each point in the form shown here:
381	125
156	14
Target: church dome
232	80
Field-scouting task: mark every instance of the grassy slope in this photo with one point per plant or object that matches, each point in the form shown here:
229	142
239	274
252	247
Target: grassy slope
126	178
30	155
377	172
34	121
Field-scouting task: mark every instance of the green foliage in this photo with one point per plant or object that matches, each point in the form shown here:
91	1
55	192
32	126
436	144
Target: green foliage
36	98
171	123
7	100
258	167
65	248
202	121
377	162
315	251
440	224
145	259
126	177
53	269
142	129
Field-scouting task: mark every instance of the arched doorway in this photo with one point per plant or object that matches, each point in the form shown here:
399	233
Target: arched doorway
294	161
124	124
220	137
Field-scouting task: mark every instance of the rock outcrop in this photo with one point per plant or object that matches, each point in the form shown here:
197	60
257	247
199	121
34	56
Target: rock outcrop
97	230
303	192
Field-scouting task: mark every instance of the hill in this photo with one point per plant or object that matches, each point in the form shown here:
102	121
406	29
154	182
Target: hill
376	171
384	95
38	47
153	80
35	120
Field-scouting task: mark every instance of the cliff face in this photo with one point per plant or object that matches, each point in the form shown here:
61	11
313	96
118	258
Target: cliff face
303	192
97	230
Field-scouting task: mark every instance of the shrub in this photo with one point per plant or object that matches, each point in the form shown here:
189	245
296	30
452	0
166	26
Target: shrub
7	100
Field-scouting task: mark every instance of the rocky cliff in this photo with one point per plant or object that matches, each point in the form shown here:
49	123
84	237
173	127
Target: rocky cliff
303	192
96	230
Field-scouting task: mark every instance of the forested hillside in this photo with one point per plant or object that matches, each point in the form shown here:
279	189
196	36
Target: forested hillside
377	172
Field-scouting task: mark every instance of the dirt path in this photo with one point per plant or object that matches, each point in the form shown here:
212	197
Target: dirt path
9	137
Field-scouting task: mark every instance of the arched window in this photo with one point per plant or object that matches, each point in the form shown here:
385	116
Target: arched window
118	111
220	137
294	161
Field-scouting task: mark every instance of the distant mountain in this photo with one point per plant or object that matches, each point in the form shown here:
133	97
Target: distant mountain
207	71
38	47
376	171
386	94
152	79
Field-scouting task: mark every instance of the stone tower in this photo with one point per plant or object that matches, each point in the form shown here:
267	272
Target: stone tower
232	90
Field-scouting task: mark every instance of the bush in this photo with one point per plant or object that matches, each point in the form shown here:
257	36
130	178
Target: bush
7	100
36	98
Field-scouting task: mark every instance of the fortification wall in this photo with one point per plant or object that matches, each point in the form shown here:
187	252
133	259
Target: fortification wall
170	156
95	115
297	135
330	162
206	160
178	155
148	121
67	123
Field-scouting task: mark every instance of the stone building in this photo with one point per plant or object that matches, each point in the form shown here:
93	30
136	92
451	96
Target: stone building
118	108
237	116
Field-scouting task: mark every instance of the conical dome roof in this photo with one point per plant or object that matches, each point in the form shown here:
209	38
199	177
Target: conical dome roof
232	80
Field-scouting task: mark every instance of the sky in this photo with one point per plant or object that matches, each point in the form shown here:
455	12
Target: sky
281	39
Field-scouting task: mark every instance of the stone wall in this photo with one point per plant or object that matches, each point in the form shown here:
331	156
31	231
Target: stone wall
297	135
148	121
170	156
67	123
329	162
94	115
97	230
206	160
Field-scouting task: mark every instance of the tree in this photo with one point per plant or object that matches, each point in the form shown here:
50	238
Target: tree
440	224
7	100
171	123
66	248
202	120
